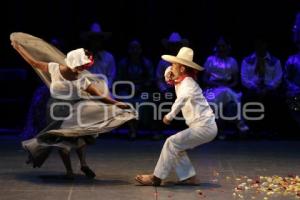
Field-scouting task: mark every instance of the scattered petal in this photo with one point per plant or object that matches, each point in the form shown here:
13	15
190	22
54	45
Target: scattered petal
269	185
199	192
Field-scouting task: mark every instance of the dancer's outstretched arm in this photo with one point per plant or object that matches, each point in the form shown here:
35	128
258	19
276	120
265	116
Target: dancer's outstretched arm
92	89
28	58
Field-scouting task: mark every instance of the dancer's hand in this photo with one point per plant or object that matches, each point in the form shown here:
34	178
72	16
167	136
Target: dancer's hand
166	121
14	44
17	46
122	105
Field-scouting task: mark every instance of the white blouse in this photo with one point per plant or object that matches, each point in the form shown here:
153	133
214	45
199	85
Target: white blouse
62	88
271	78
221	69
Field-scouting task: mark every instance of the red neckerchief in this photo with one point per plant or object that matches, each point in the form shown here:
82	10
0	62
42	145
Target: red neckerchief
88	65
181	78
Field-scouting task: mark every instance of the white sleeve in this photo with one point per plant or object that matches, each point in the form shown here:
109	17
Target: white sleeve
85	83
176	107
184	95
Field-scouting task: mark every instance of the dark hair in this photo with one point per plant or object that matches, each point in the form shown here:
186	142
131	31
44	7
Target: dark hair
88	52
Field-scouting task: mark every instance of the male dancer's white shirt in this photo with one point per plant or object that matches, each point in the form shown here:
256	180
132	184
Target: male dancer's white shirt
192	103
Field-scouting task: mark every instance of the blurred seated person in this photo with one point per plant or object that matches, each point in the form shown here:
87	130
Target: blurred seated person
221	77
292	77
138	69
261	75
104	61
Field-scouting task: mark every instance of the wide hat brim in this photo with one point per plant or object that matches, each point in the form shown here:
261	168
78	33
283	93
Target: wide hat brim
188	63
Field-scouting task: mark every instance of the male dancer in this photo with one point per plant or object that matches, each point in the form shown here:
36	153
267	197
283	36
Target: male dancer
198	116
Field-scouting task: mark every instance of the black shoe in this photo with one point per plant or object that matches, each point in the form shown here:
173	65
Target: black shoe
88	172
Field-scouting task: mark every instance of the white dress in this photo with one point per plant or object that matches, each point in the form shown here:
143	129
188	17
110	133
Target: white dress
76	118
89	116
86	117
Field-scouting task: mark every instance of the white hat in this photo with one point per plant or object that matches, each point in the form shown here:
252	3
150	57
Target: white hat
184	57
76	58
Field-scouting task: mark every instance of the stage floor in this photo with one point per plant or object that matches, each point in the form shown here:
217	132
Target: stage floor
221	166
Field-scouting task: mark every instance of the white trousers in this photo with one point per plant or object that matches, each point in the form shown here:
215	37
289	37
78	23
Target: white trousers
174	156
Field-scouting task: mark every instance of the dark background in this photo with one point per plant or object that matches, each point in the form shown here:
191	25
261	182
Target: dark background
199	21
151	20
